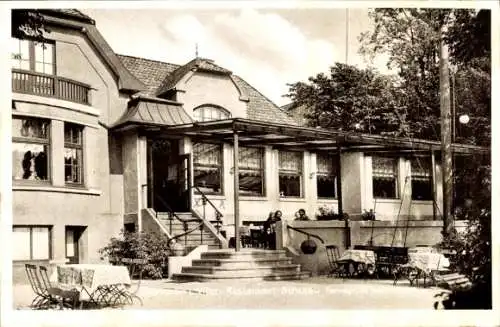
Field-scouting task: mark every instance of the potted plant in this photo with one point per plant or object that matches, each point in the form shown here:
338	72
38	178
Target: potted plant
368	215
325	213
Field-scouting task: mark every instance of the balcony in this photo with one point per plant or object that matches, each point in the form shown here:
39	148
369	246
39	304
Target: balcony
35	83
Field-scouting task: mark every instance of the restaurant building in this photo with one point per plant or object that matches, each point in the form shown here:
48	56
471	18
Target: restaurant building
103	142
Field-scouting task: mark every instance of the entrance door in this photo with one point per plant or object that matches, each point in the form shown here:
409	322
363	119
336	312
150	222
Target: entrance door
73	241
168	176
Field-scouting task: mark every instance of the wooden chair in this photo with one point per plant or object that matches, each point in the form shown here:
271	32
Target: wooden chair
66	298
42	300
335	268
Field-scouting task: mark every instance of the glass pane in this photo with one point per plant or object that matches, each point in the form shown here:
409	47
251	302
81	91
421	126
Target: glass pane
40	243
72	165
29	161
250	183
421	190
384	188
30	127
326	186
48	56
207	179
384	166
207	154
21	243
39	67
290	185
48	69
72	134
24	48
38	52
290	161
250	158
209	113
70	246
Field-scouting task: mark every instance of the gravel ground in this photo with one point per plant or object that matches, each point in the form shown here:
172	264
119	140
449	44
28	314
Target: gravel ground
312	293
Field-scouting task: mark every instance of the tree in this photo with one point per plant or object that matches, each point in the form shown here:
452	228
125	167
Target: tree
411	39
351	99
28	23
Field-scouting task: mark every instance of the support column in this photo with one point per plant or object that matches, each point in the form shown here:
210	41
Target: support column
433	181
236	192
340	208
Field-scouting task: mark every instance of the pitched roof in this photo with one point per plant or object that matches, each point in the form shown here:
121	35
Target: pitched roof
199	64
156	74
296	112
69	13
150	72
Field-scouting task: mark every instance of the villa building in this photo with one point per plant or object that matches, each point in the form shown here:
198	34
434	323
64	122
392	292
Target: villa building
103	142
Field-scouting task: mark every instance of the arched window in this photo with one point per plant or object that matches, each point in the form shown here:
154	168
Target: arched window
210	112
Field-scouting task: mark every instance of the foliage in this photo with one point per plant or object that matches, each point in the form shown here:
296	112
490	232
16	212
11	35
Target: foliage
351	99
411	38
150	246
327	213
471	256
368	215
28	23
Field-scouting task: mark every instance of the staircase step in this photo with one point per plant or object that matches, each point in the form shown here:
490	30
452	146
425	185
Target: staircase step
241	263
242	272
244	254
272	276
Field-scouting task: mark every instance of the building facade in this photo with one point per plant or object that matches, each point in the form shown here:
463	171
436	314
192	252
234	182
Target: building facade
101	140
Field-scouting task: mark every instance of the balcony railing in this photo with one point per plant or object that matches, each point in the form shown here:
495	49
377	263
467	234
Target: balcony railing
35	83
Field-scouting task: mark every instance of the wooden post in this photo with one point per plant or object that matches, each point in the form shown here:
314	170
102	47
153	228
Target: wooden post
340	208
236	192
433	181
446	155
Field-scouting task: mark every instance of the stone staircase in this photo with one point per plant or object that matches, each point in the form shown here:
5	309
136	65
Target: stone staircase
193	239
247	264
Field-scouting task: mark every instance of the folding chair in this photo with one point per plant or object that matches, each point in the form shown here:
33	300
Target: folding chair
43	299
66	298
135	268
333	255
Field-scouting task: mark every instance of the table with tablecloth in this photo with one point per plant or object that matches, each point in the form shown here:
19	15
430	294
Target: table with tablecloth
357	262
93	280
428	262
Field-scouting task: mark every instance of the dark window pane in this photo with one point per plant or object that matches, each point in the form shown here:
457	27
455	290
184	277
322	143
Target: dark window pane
384	188
207	179
30	161
30	128
326	186
250	183
421	190
290	185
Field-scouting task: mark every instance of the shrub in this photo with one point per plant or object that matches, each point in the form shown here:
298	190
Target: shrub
471	256
150	246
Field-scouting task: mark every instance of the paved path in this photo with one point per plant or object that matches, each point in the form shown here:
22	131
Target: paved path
313	293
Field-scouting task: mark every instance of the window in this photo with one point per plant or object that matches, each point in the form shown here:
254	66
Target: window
421	181
251	171
207	113
385	177
207	164
31	242
290	174
73	154
31	55
30	149
326	176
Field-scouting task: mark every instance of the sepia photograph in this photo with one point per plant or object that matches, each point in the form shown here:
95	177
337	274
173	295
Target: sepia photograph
249	156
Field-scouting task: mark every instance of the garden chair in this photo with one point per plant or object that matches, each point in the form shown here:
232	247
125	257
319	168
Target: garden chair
136	269
66	298
335	268
42	300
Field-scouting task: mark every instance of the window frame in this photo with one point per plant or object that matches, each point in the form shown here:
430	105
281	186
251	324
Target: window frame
32	55
282	171
220	167
333	173
426	177
40	141
396	174
212	107
262	170
50	240
75	146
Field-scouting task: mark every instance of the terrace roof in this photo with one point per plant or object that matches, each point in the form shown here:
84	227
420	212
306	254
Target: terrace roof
292	137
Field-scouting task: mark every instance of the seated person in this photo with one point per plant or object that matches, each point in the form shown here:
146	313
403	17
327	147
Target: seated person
302	215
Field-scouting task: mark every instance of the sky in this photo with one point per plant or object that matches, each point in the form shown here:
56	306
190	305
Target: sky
267	47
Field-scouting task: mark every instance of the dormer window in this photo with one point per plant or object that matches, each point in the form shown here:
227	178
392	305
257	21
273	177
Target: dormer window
210	112
34	56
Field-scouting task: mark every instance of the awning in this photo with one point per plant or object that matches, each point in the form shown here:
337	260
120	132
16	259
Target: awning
292	137
146	111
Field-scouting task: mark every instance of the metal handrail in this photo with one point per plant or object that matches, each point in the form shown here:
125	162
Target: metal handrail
306	233
188	231
217	212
